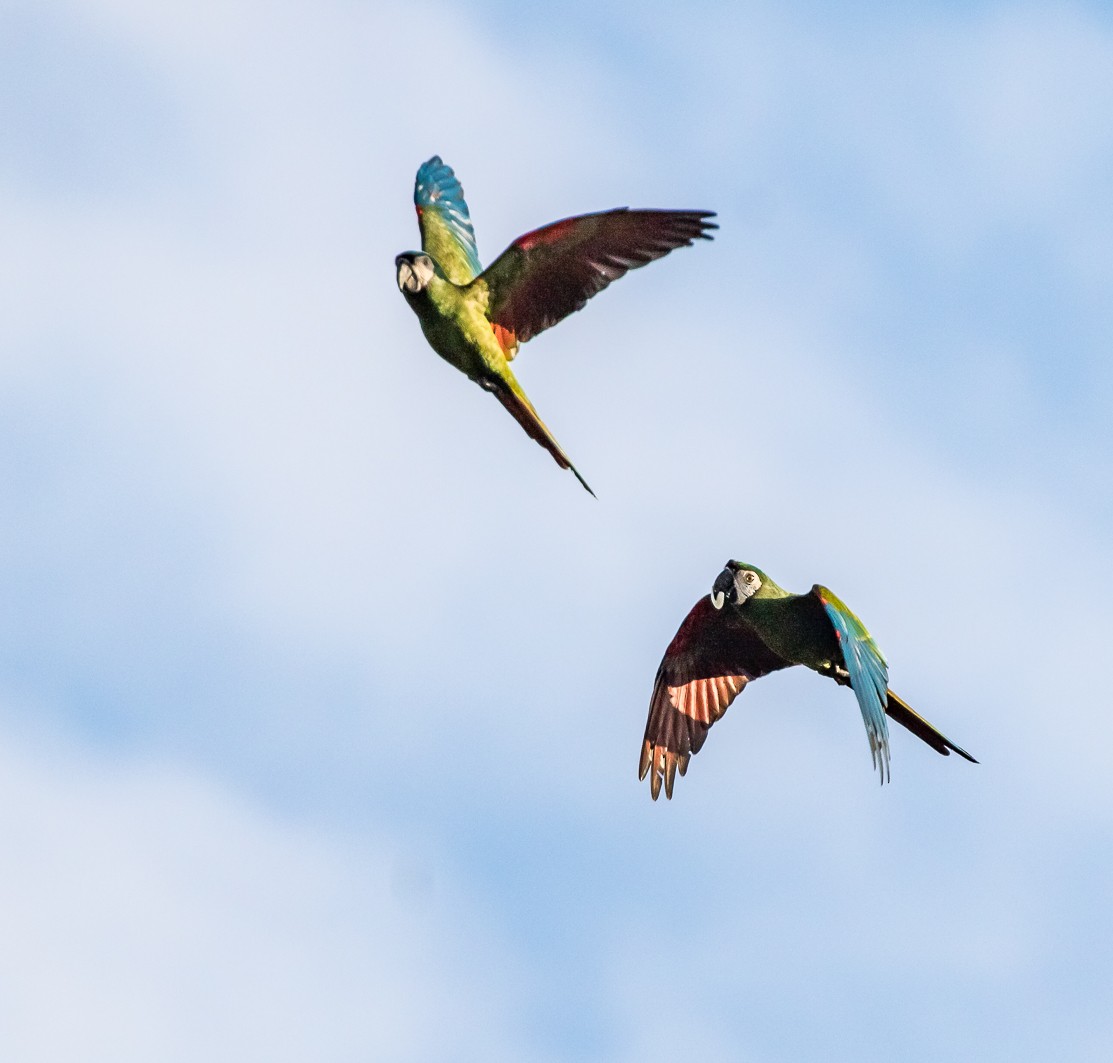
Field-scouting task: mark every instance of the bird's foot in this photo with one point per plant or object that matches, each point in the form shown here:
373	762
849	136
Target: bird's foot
836	672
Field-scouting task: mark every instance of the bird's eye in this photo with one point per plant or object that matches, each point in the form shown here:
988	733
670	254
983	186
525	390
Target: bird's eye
749	577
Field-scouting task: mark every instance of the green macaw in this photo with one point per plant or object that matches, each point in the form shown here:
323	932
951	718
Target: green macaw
745	628
475	319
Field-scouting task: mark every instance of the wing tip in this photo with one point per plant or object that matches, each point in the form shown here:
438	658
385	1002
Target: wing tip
707	227
661	766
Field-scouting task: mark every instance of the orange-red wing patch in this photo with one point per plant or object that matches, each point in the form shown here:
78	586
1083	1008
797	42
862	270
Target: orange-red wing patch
506	340
712	657
705	700
679	717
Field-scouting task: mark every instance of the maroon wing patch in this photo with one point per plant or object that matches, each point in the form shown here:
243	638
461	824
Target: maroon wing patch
706	666
551	272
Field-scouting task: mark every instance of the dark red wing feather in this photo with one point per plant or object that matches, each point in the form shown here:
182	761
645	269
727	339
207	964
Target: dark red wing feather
549	273
711	658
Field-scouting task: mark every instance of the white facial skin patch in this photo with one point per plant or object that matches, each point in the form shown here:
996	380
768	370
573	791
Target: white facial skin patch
746	584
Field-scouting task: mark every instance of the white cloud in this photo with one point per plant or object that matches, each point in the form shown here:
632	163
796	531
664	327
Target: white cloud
256	526
150	913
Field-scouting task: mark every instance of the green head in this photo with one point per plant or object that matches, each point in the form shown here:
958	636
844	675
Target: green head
738	583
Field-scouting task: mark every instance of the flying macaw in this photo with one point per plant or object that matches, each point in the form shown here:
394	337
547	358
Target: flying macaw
748	627
475	318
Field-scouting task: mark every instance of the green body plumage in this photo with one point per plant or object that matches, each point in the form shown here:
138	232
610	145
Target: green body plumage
454	320
455	323
793	625
746	628
475	319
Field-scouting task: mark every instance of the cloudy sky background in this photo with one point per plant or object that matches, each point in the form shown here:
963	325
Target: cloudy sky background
321	687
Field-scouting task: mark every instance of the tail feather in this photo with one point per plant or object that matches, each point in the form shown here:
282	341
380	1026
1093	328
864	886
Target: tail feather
899	710
521	409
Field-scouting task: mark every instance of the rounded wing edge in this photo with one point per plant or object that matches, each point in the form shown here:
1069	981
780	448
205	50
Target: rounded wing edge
712	657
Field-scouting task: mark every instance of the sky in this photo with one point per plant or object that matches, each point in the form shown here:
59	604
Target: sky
322	687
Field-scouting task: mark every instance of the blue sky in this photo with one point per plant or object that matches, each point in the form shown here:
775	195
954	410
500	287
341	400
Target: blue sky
321	688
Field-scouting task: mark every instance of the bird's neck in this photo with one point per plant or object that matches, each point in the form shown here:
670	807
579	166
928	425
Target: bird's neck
784	622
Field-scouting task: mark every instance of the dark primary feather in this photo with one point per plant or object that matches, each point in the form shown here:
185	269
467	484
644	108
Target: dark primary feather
551	272
709	661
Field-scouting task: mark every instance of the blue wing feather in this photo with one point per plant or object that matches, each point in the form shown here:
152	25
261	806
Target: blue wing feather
869	675
446	228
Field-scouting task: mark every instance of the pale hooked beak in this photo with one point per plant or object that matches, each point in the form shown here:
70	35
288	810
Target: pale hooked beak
723	586
405	275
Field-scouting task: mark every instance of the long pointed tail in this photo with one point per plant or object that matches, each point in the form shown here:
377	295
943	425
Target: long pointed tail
515	401
906	716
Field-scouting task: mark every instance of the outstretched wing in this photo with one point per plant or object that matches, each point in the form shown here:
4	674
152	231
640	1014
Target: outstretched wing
869	674
549	273
442	213
711	658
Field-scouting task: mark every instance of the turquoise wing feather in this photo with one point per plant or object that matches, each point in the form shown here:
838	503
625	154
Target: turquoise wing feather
446	229
869	674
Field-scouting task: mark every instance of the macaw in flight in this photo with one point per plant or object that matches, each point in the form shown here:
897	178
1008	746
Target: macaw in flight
745	628
475	319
